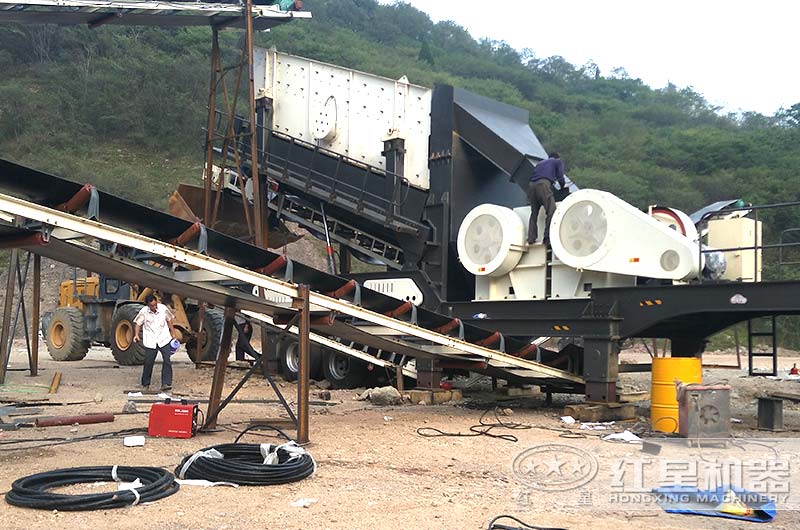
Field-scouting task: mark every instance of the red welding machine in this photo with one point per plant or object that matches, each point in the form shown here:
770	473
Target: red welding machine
173	419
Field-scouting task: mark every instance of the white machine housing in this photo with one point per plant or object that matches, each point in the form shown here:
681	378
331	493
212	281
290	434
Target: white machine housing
349	112
595	230
400	288
598	240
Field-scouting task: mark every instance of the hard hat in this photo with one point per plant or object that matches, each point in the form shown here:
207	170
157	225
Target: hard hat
174	344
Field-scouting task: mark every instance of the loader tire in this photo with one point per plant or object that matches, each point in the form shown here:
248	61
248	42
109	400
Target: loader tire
65	335
125	351
44	323
210	337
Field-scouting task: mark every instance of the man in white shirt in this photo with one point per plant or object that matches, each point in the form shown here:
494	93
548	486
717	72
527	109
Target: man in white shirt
155	321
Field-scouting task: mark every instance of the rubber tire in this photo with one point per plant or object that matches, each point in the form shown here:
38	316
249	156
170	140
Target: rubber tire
44	323
132	353
66	324
213	325
346	375
289	361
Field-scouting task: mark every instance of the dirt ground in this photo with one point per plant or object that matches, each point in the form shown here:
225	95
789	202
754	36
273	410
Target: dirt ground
374	470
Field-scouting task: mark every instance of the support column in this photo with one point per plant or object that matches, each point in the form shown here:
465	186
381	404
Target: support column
219	369
429	374
37	290
601	369
260	210
212	102
11	282
303	377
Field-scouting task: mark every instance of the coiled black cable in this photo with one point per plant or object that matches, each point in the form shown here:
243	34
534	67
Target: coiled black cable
494	525
32	491
244	464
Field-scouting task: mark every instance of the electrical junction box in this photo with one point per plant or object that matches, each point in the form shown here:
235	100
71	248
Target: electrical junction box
738	233
173	420
704	411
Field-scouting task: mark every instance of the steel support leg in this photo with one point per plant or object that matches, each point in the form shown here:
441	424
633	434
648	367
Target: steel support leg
601	369
5	351
22	279
303	375
37	290
219	370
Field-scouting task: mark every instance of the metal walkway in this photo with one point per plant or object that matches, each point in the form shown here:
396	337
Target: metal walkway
340	307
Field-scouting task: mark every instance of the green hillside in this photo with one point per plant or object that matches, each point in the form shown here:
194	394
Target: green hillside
73	97
124	107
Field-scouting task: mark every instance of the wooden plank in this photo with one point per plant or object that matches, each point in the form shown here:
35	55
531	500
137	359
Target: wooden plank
55	384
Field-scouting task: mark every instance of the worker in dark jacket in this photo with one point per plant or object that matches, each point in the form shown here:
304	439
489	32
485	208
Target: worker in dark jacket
540	194
245	334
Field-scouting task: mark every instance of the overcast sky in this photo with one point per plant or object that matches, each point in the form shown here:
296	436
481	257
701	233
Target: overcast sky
742	55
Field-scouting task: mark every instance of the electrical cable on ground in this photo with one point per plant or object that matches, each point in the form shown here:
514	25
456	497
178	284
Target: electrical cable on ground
485	427
32	491
261	428
49	442
493	525
248	464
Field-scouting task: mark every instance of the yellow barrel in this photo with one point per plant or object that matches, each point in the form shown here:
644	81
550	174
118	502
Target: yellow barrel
663	400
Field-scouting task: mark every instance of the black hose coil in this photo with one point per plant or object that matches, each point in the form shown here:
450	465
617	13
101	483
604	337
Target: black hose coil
32	491
244	464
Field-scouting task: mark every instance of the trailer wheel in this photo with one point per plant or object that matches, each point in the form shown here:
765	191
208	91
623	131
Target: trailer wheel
210	337
125	351
65	335
343	371
289	362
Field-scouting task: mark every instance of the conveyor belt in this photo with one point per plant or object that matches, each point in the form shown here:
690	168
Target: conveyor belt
146	230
